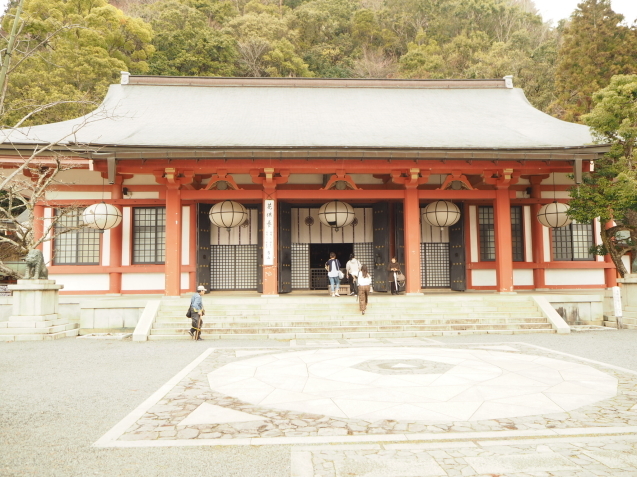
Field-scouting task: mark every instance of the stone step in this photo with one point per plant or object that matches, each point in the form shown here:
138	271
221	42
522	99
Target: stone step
41	336
181	323
290	336
47	330
335	301
353	329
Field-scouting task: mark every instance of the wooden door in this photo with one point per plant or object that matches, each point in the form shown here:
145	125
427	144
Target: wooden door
457	260
203	245
285	248
381	245
399	235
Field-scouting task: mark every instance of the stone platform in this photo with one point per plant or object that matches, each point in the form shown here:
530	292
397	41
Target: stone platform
35	313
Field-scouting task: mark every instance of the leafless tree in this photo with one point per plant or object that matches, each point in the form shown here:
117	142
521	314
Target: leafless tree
375	64
251	52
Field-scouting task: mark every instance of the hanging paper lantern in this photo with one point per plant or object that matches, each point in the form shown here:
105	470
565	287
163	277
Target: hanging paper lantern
228	214
101	216
441	213
336	214
554	215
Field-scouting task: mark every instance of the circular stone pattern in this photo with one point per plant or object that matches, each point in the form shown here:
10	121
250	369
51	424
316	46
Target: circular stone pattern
458	385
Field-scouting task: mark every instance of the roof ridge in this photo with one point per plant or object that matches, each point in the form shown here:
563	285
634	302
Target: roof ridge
128	79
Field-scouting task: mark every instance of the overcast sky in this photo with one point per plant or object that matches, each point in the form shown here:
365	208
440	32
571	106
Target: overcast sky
557	9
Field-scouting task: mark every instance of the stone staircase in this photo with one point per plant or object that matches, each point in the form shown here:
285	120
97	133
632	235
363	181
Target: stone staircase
317	317
629	320
37	330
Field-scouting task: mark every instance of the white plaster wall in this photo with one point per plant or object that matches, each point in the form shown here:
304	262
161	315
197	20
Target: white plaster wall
77	195
528	235
365	179
246	234
47	247
106	248
80	177
430	234
473	233
185	235
483	278
185	281
241	178
627	264
522	277
143	195
82	281
546	244
126	236
597	233
304	179
561	276
141	179
143	281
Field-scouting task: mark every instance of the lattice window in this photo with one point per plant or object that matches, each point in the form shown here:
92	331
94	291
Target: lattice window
233	267
434	265
300	266
149	235
76	247
486	223
365	255
572	243
517	233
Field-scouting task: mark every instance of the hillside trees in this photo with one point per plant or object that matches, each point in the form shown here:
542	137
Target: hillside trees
69	52
610	192
596	46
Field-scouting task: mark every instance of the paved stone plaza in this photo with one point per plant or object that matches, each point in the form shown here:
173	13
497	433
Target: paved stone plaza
487	405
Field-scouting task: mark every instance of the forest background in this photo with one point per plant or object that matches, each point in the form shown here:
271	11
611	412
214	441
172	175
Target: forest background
71	50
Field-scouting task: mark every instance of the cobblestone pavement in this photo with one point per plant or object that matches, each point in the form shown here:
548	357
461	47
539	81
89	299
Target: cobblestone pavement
583	457
190	410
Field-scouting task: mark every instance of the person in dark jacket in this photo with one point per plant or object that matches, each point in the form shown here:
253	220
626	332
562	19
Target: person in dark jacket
333	270
393	270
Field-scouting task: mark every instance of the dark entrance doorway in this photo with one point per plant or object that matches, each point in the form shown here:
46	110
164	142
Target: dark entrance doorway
319	254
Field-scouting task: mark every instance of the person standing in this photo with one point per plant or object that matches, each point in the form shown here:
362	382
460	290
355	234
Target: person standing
352	268
333	274
364	286
393	271
197	311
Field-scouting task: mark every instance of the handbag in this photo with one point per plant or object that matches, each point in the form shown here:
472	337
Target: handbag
189	312
400	277
340	275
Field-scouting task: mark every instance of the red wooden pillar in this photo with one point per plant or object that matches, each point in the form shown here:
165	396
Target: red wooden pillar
173	242
537	234
503	246
38	224
115	251
610	274
412	241
270	272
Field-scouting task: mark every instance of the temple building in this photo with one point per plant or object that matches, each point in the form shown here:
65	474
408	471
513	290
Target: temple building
165	150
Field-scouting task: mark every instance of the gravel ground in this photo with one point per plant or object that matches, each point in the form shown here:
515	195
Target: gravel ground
59	397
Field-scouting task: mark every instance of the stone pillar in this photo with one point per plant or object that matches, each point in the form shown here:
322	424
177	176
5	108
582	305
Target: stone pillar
35	313
503	246
412	241
173	243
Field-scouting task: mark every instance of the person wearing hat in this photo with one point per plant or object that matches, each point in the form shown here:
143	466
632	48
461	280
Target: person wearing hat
197	311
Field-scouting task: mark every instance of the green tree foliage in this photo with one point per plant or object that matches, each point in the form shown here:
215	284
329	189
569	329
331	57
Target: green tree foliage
596	46
610	192
71	50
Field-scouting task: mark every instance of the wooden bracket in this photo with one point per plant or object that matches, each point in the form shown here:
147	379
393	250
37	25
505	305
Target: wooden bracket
501	179
222	176
173	178
456	176
269	179
340	176
410	179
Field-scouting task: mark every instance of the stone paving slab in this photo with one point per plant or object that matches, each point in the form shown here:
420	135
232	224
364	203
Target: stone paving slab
582	457
166	418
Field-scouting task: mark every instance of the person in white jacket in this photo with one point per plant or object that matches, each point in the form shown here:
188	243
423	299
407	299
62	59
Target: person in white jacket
364	287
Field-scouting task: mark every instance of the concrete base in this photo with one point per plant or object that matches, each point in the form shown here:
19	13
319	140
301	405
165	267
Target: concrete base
35	313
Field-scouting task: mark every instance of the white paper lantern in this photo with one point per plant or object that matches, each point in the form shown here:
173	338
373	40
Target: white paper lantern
554	215
336	214
102	216
441	213
228	214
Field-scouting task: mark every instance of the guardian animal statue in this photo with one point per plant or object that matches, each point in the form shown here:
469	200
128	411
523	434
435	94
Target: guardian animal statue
36	269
